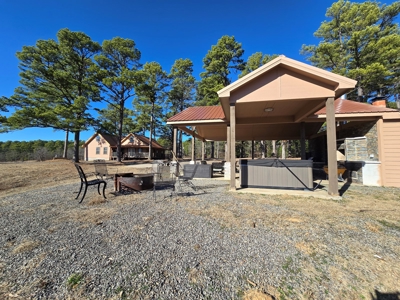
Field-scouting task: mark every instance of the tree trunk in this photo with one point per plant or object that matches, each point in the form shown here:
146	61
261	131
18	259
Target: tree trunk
151	132
76	146
274	148
212	149
66	144
151	138
283	149
360	94
262	144
121	118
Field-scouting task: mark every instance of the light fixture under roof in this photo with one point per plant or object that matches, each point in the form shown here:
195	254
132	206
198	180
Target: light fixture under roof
268	109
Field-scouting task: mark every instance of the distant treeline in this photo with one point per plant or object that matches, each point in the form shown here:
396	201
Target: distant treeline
34	150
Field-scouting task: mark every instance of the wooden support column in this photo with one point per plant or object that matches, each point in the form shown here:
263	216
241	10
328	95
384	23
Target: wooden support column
174	141
331	147
202	150
228	144
175	155
252	149
193	148
232	114
303	140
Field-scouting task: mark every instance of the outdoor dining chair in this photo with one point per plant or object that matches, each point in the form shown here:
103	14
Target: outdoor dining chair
86	183
101	171
163	179
187	178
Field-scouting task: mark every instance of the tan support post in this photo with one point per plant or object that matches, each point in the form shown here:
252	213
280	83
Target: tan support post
331	147
232	147
303	140
382	158
228	143
193	145
202	150
174	154
174	141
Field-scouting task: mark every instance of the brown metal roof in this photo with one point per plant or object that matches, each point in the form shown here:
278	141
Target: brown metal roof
112	140
198	113
146	140
343	106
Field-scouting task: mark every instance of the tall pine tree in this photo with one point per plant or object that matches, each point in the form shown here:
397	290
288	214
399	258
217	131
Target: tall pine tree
360	41
181	94
151	93
118	64
221	60
58	83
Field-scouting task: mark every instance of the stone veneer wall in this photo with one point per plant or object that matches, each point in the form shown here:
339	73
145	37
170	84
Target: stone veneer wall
318	147
369	130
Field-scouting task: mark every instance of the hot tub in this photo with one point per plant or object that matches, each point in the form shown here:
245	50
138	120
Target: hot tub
276	173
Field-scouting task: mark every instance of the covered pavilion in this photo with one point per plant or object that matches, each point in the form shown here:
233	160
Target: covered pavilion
283	100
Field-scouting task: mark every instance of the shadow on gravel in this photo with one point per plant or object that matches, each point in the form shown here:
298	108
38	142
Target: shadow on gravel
125	193
345	187
385	296
190	194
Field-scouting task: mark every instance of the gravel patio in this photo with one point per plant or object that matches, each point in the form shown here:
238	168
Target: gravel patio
208	244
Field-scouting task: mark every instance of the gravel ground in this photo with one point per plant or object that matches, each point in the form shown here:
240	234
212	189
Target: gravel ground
207	244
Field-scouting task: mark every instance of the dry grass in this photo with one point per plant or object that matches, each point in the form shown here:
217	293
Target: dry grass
96	200
256	295
24	176
375	210
25	246
379	208
86	215
33	263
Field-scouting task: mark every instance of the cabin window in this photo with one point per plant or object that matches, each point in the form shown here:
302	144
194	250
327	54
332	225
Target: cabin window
97	150
105	150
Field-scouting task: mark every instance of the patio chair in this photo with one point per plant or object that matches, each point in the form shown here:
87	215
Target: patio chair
101	171
187	177
163	179
86	182
218	167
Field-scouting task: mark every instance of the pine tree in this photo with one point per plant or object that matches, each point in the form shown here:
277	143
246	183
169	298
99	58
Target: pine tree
360	41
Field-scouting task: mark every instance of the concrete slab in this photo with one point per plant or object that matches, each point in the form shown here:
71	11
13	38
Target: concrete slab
320	192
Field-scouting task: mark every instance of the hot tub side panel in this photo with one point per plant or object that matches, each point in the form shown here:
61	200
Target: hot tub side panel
265	174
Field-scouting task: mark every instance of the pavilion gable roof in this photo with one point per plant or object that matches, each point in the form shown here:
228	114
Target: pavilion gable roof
341	84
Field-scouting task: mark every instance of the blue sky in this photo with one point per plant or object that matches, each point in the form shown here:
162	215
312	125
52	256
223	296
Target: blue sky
162	30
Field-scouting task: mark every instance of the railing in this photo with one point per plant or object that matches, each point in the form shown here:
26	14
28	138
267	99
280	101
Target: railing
134	155
137	155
